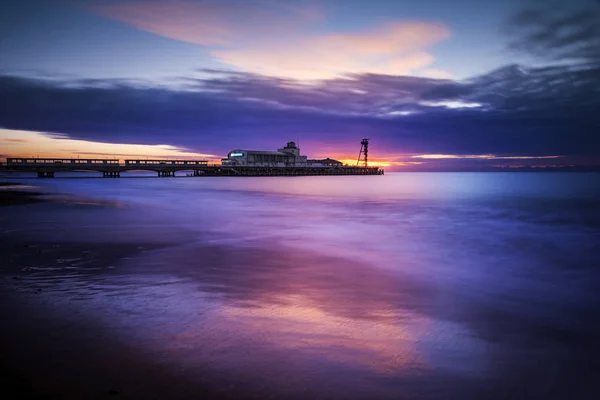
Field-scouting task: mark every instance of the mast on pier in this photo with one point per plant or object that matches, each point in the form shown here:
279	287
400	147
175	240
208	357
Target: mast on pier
364	152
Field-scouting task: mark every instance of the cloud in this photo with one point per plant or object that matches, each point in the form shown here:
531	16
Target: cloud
395	49
524	112
209	22
480	157
450	104
560	31
28	143
11	140
435	73
268	38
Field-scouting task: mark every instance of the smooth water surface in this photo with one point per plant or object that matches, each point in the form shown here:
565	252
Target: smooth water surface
424	285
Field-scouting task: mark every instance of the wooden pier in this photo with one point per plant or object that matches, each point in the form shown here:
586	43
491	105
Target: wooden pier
48	167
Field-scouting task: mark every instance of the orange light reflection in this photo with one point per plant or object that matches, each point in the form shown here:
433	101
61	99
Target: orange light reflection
382	343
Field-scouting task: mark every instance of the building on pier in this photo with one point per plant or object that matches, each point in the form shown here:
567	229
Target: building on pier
288	156
326	162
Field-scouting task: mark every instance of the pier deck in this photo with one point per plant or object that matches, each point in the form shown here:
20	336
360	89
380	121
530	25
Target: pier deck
47	168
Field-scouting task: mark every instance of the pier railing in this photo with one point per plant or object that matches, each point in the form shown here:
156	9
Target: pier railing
48	167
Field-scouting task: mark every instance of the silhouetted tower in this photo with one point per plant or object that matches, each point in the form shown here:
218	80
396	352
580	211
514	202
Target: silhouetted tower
364	149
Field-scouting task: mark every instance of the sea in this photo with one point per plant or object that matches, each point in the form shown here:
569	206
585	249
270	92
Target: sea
401	286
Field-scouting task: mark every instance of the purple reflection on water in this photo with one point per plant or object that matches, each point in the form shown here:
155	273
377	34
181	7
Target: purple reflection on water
411	285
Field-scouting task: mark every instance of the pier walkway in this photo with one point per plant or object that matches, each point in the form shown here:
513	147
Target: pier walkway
48	167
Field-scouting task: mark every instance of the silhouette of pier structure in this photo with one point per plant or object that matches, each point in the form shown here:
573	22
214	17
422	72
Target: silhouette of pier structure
111	168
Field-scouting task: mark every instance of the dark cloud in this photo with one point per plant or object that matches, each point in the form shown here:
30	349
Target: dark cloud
534	111
565	31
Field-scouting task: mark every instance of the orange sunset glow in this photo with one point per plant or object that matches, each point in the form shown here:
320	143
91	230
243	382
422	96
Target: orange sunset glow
14	143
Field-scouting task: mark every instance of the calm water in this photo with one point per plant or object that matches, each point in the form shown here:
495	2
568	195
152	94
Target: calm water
397	286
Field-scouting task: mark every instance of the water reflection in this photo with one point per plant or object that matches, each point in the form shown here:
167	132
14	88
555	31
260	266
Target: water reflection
322	309
300	326
424	285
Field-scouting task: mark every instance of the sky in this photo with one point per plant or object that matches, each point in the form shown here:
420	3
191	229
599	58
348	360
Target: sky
435	84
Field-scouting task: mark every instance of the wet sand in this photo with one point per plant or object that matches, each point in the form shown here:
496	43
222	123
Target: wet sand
10	195
49	352
60	345
61	342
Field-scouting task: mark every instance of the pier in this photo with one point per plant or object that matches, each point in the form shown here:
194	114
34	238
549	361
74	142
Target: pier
49	167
